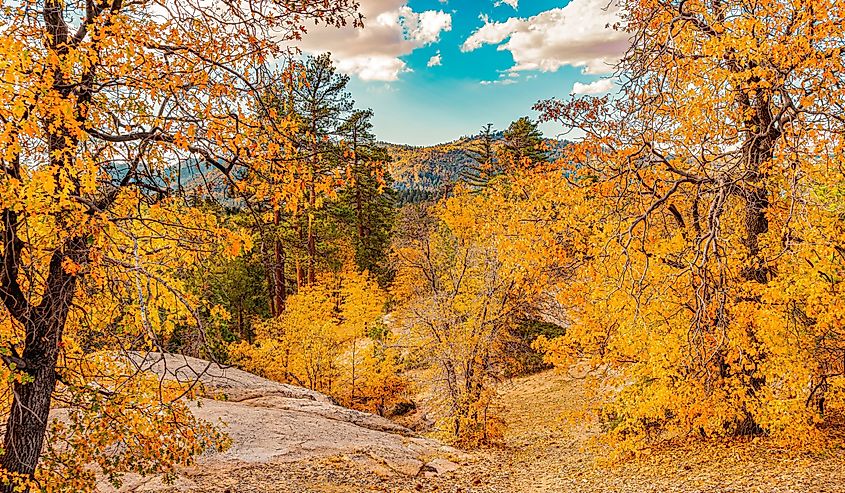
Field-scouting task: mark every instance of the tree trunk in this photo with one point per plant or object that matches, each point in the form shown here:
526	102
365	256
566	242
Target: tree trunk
271	283
455	395
312	241
359	216
757	150
27	423
279	290
359	209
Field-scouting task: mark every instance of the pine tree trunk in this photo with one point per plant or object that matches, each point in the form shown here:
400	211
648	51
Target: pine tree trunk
359	213
271	285
279	290
312	241
359	210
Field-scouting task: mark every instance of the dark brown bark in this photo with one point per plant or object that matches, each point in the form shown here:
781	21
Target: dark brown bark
271	286
757	151
300	272
312	240
279	289
312	205
26	425
359	208
28	417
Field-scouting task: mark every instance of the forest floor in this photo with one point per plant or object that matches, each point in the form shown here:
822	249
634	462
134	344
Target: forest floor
544	453
541	453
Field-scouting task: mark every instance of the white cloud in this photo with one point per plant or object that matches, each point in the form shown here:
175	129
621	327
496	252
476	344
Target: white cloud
504	82
598	87
436	60
425	27
491	33
377	67
580	35
391	30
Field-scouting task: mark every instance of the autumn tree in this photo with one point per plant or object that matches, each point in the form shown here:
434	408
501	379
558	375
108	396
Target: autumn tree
98	98
466	284
330	339
715	180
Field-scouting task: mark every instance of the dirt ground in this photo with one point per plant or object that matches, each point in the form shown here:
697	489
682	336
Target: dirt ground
545	453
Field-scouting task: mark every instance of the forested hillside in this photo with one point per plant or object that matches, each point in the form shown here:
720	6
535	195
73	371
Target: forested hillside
427	173
421	172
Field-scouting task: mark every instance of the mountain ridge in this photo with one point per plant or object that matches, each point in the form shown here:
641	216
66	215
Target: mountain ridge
422	173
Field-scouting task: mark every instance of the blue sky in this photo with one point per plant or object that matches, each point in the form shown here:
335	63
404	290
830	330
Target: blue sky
495	62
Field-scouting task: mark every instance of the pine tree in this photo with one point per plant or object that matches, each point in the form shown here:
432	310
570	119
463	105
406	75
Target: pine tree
368	201
483	153
523	144
323	103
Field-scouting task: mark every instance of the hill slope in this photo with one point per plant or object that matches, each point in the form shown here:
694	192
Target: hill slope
550	448
421	172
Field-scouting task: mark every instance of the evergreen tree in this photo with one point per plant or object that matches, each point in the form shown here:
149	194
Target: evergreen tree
323	103
368	201
523	144
483	153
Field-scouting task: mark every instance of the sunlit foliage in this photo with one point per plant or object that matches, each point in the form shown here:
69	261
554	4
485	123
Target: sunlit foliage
712	184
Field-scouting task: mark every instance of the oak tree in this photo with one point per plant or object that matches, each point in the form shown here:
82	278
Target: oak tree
714	179
99	99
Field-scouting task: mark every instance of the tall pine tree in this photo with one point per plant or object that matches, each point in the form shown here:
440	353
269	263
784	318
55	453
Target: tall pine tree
368	201
483	152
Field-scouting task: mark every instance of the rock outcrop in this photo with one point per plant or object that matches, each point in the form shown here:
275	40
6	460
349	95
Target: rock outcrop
269	422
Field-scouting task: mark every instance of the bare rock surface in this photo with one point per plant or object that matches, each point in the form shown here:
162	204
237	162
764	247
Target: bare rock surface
276	425
541	453
228	382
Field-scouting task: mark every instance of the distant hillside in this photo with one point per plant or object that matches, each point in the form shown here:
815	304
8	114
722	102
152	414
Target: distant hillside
420	172
423	173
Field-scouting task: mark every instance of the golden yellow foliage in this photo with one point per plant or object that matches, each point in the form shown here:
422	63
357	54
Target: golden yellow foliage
331	339
103	106
712	214
465	281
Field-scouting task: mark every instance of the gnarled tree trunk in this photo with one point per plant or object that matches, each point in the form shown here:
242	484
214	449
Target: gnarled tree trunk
26	426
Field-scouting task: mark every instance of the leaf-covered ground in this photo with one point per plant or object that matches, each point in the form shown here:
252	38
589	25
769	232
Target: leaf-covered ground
545	453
